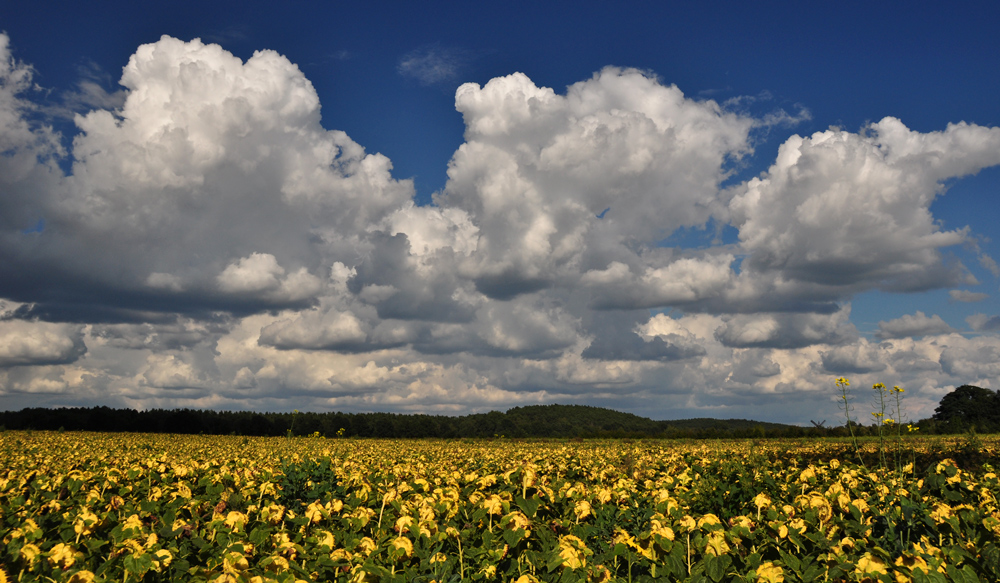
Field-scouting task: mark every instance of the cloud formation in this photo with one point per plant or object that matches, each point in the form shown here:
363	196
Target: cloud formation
961	295
983	322
433	64
917	324
208	158
39	343
213	245
841	212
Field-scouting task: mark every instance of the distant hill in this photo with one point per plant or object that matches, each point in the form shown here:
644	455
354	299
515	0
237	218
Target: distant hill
587	421
551	421
577	420
705	423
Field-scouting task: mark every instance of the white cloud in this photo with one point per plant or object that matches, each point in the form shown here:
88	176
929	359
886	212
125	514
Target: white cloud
983	322
538	168
171	371
20	140
685	280
164	281
28	152
91	92
973	361
182	334
433	64
208	161
961	295
405	286
331	330
844	212
429	229
524	327
215	246
256	273
860	357
782	330
990	264
91	95
39	343
912	325
658	339
260	274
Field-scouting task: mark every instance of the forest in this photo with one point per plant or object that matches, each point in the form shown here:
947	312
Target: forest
967	408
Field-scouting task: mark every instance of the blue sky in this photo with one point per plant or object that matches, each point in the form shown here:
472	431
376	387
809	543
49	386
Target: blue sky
397	206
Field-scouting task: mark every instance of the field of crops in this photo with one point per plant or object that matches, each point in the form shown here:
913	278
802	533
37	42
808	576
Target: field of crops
99	507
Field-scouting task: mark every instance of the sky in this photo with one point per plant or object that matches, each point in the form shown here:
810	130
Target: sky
683	209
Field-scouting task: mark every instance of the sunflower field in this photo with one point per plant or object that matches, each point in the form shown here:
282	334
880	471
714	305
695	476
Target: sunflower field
84	507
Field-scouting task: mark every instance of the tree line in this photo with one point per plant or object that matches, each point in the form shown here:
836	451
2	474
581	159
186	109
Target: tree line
966	408
541	421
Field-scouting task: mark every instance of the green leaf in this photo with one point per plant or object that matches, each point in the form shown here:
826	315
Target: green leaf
675	562
953	496
138	565
555	561
965	575
715	567
812	573
790	561
839	570
797	539
180	565
513	536
529	506
94	545
933	577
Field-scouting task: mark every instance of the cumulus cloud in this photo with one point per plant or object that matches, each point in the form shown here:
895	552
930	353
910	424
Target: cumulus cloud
208	157
332	330
260	274
538	168
20	139
171	371
841	211
213	245
405	286
855	358
961	295
971	362
912	325
29	151
908	361
664	340
39	343
983	322
632	347
525	327
680	282
181	334
782	330
989	264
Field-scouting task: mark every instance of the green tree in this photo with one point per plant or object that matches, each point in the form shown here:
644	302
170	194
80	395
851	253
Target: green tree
969	406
